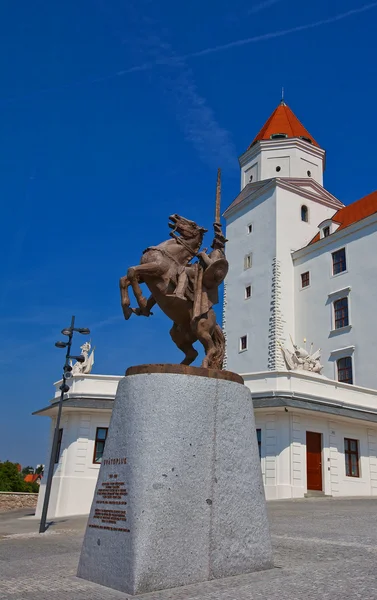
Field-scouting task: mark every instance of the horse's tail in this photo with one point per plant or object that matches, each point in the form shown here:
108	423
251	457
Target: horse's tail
219	341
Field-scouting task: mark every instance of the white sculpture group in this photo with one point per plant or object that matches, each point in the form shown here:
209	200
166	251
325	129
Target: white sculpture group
301	359
86	366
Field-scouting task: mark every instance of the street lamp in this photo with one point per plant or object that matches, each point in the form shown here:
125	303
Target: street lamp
64	388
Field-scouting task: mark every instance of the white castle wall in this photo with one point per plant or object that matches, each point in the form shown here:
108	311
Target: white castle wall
314	304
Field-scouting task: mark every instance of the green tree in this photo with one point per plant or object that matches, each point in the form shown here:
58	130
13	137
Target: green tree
11	480
31	487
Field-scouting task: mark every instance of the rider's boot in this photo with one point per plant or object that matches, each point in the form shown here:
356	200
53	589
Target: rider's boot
179	291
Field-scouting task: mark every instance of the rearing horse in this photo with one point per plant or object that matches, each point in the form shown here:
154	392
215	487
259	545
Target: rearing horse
159	269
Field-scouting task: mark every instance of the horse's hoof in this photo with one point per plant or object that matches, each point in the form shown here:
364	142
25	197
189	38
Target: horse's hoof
127	311
142	312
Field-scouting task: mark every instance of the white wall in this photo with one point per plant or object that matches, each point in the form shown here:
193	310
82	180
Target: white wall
268	317
294	157
75	475
250	316
292	234
284	453
314	306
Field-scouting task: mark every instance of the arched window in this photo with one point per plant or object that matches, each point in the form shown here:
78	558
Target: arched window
304	213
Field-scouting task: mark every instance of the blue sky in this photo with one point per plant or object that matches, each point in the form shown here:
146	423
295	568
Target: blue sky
115	114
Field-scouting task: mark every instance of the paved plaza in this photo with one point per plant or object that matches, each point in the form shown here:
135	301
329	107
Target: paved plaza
323	549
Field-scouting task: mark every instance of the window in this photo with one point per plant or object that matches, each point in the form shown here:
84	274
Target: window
278	169
351	454
58	447
259	438
278	136
250	178
326	231
247	261
341	313
247	292
99	446
306	139
309	173
304	213
345	369
243	343
305	279
250	228
339	261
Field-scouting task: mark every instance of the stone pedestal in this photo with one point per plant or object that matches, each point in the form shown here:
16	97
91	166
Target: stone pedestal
179	497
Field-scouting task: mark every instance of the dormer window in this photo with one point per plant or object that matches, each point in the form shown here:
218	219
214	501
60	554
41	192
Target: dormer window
304	213
326	228
278	136
306	139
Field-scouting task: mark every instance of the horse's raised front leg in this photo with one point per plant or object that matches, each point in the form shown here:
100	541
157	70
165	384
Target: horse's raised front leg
133	274
145	313
124	283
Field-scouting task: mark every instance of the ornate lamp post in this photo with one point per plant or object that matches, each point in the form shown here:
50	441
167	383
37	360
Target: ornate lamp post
64	388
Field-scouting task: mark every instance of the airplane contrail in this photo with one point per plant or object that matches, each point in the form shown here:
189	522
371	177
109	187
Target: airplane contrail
242	42
281	33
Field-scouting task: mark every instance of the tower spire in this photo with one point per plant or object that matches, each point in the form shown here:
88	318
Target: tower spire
282	102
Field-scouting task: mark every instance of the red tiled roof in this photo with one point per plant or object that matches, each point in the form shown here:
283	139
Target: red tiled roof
361	209
32	477
283	120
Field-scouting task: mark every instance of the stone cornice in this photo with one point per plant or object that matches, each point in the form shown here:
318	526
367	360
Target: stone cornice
296	185
305	402
301	185
287	144
348	349
346	290
255	190
76	404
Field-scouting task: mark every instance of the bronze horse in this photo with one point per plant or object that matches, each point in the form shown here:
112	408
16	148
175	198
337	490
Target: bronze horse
192	314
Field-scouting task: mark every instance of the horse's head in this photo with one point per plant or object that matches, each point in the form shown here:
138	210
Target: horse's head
189	230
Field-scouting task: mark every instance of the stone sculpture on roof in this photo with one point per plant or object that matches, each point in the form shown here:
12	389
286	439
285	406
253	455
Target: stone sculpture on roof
86	366
185	291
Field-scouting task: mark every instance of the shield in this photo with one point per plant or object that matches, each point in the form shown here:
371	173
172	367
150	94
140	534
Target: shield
215	273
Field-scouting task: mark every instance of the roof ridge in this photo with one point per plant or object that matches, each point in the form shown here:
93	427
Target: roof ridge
288	115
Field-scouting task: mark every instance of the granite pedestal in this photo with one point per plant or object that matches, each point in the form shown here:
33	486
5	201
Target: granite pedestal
179	497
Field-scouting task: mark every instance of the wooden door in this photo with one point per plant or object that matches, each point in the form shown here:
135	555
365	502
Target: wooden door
314	460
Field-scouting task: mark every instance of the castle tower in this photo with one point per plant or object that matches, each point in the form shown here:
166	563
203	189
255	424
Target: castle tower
281	203
282	148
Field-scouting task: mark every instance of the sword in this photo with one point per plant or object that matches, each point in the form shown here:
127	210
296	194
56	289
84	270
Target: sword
218	196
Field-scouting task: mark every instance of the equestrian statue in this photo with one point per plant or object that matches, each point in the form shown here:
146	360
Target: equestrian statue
185	291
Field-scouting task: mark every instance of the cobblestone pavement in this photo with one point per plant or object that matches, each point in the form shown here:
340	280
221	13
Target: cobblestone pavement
324	549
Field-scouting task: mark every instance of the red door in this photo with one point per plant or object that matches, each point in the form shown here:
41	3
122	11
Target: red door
314	460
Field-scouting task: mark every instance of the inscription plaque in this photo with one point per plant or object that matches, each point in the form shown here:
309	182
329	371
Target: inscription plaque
112	492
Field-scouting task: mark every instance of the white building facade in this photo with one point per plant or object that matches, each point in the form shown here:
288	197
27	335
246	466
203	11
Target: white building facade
83	430
301	267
